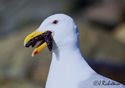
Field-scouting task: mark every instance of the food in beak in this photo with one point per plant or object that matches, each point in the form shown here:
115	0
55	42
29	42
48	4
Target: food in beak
45	37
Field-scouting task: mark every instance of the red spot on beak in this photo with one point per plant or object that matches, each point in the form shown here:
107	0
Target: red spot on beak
36	52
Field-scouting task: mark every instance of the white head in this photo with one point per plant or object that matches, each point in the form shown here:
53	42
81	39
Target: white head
63	28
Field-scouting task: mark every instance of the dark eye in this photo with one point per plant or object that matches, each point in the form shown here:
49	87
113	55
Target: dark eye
55	21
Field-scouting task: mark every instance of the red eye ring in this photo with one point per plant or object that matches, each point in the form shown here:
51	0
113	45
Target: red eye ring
55	21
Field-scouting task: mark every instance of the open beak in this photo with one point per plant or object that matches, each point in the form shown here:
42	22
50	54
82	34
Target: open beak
30	39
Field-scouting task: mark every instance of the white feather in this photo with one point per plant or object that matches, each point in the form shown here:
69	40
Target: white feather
68	68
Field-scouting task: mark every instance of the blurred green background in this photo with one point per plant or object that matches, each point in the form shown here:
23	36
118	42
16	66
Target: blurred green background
102	38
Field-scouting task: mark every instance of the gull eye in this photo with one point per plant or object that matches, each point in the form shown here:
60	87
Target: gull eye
55	21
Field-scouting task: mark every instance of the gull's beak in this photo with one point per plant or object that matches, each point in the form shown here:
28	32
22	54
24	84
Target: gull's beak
31	36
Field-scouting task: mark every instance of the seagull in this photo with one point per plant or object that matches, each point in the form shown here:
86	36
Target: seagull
68	68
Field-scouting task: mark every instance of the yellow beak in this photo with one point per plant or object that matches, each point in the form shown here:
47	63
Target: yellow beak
31	36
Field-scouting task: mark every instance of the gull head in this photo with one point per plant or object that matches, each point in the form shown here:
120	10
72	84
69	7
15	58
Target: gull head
56	31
